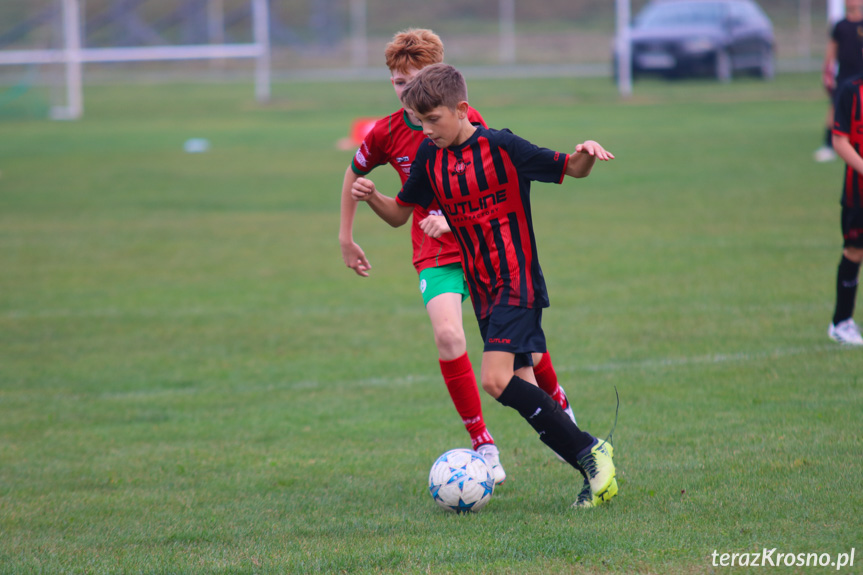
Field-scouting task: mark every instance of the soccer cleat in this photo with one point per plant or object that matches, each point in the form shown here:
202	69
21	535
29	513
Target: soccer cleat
845	332
824	154
491	454
598	466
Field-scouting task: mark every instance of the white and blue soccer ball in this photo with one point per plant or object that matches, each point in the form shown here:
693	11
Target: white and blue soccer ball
461	481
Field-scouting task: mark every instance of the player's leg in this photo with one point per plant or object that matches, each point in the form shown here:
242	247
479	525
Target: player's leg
514	388
546	378
444	290
826	153
842	328
507	375
591	457
444	312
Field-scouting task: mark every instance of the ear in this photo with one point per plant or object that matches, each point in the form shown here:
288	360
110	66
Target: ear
462	108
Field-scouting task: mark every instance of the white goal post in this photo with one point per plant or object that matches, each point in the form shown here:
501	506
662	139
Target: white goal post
73	55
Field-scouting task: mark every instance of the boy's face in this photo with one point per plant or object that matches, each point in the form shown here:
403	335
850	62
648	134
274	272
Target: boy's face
401	79
446	127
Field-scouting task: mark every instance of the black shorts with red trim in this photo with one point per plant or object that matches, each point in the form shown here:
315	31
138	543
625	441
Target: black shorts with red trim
852	227
516	330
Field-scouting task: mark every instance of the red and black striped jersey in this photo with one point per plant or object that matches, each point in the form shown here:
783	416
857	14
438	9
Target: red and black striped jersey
848	122
394	140
483	187
849	49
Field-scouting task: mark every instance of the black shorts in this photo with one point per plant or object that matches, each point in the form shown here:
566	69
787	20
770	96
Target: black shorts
852	227
516	330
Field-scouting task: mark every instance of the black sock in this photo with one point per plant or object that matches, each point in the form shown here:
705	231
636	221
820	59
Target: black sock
828	137
846	290
545	415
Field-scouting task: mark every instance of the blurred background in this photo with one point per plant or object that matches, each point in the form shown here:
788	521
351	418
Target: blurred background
320	38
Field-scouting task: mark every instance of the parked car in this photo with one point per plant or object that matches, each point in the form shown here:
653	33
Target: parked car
718	38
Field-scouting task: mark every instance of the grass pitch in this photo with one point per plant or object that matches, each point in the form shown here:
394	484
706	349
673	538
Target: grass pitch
192	382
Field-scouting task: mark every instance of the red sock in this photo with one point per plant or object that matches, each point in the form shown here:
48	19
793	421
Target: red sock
547	380
461	383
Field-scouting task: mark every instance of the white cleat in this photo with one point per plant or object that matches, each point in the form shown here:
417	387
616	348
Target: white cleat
824	154
845	332
491	454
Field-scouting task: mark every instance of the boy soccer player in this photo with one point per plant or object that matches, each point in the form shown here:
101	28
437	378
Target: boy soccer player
847	130
395	140
481	180
843	59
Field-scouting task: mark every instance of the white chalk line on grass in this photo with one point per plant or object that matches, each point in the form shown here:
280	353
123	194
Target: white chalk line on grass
633	365
409	379
710	359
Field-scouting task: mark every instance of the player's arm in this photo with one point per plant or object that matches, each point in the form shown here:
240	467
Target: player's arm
387	208
352	253
828	70
845	149
586	154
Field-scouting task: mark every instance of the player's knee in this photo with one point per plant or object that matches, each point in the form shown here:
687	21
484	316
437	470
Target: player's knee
853	254
450	341
494	386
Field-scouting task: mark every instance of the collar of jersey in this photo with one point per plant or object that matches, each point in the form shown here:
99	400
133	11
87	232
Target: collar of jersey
410	124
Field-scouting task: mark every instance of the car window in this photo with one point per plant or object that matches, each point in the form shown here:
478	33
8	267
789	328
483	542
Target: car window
682	14
752	13
737	14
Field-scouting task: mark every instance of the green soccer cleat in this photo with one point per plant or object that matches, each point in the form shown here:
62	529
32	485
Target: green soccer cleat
598	467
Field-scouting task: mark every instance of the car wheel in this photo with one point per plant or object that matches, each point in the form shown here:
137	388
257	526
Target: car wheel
767	65
723	66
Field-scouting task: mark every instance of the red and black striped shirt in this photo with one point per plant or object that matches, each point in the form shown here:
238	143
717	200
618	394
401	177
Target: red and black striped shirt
848	122
483	187
394	140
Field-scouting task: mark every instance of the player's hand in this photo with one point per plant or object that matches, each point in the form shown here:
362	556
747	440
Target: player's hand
594	149
356	259
363	189
828	76
434	226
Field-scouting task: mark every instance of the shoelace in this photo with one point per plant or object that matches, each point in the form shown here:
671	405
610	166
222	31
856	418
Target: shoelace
609	438
588	463
585	496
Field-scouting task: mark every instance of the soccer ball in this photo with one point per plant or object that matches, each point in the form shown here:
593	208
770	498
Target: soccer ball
461	481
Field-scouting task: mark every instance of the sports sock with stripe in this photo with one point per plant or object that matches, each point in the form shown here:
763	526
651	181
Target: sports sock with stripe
846	289
461	384
545	415
546	378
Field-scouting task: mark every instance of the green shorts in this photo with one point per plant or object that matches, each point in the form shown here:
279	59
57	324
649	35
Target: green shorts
445	279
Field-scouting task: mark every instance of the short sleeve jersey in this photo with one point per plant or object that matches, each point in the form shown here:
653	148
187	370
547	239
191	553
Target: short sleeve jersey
394	140
483	187
849	42
848	122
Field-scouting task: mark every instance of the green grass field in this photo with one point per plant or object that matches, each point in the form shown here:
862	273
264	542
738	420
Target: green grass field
192	382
